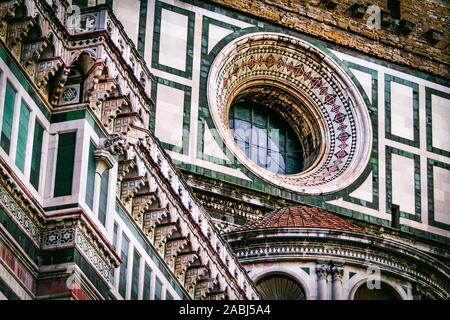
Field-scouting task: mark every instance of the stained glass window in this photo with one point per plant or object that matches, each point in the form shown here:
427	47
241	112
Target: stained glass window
266	138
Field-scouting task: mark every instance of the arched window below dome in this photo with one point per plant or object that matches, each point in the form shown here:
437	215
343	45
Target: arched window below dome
385	292
280	287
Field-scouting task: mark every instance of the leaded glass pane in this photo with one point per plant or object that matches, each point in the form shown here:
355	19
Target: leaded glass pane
266	138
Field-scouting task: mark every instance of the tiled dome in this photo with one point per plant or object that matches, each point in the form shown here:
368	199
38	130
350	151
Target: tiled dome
301	216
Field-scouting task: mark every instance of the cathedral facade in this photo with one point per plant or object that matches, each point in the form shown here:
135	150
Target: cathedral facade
224	150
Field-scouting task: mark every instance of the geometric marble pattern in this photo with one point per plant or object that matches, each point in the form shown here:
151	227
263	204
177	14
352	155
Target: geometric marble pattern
282	61
440	111
174	27
403	187
441	179
216	34
402	117
210	147
169	110
365	190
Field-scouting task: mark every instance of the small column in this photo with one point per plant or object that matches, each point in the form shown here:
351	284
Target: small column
337	272
108	147
322	270
103	161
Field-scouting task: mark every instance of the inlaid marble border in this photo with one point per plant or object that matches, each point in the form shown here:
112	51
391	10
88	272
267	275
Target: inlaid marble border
187	73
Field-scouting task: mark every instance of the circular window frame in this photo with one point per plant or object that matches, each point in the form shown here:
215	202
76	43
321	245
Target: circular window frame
277	59
301	104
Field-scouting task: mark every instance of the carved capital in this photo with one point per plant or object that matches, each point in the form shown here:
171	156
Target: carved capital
337	272
322	271
103	161
60	81
47	69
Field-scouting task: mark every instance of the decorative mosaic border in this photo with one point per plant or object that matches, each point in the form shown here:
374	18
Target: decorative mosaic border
53	238
57	238
430	185
232	13
73	236
355	254
417	194
429	116
256	183
287	61
187	73
184	149
387	102
20	217
93	256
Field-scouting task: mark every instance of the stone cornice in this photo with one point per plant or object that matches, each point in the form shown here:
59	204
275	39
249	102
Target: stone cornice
351	248
358	239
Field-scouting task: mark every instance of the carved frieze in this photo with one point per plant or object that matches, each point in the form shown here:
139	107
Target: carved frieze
154	217
193	275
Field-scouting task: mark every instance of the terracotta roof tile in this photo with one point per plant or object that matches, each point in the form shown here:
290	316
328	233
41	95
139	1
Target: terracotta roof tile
301	216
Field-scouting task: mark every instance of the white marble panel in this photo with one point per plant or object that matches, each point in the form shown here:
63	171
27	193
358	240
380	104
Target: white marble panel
365	80
173	41
128	14
402	120
440	113
215	34
441	179
211	147
169	115
403	191
364	192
